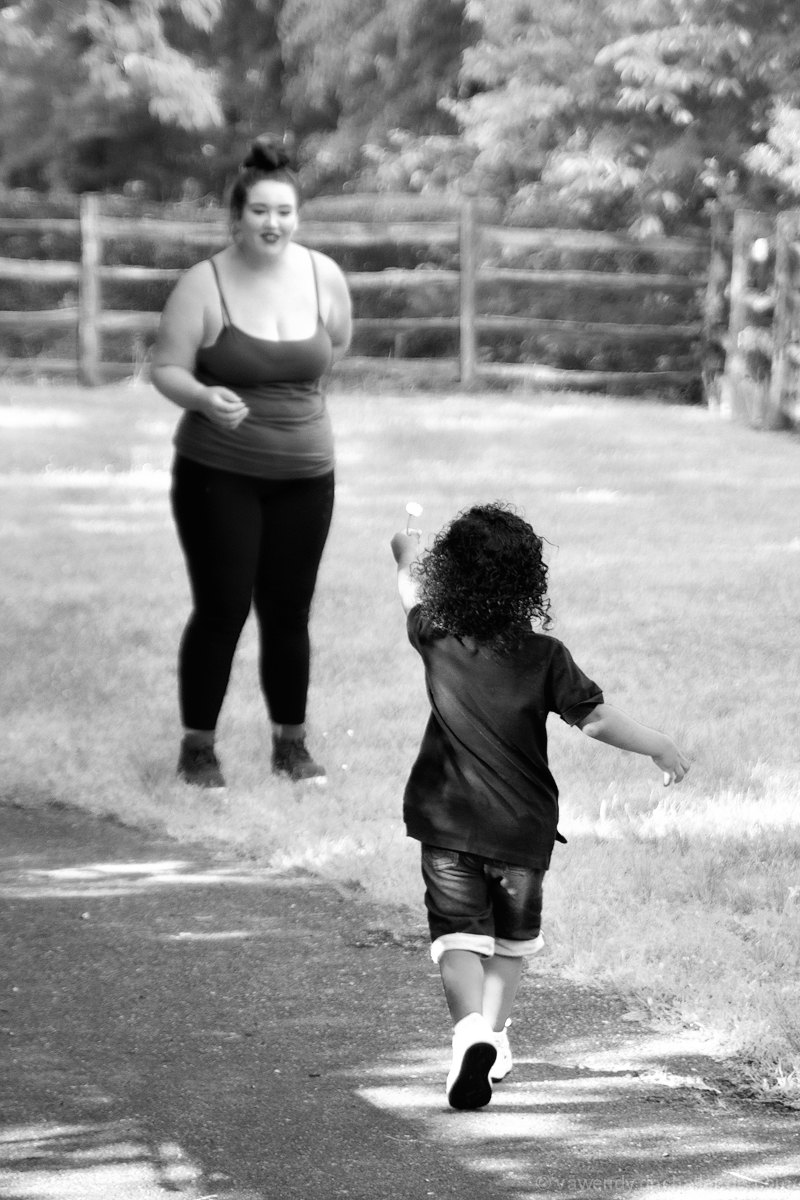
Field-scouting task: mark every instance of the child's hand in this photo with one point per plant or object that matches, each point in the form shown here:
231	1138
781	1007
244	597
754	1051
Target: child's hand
672	763
405	545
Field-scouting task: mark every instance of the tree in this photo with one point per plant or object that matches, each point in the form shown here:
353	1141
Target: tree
164	91
625	111
529	85
358	69
114	84
723	71
243	51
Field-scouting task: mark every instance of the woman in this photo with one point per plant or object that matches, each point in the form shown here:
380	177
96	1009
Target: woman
245	339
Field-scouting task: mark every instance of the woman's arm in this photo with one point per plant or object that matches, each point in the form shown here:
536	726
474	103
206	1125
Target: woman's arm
180	335
337	309
614	727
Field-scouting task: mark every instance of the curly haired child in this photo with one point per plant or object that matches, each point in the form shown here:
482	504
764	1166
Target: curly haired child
480	797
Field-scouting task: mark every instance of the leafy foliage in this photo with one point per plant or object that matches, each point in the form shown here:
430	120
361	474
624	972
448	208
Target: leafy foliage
108	67
617	113
627	111
359	69
778	159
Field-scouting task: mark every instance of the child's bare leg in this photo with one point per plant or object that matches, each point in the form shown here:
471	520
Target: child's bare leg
463	982
501	976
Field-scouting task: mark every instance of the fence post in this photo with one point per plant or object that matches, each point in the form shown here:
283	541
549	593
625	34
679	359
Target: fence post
468	255
89	300
715	309
744	391
784	381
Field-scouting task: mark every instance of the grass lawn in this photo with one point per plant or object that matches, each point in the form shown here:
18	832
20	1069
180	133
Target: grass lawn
675	579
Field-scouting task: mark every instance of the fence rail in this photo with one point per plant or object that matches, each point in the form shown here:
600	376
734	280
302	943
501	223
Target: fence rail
465	236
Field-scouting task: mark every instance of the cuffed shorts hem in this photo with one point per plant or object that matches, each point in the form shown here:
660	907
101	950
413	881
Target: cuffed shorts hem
486	946
478	943
508	948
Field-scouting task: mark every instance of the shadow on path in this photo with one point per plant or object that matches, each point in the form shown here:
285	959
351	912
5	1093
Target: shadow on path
176	1023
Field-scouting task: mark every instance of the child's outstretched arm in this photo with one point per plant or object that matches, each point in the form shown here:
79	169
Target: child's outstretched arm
404	548
608	724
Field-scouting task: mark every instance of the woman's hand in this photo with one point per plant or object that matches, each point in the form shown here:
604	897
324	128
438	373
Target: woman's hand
223	407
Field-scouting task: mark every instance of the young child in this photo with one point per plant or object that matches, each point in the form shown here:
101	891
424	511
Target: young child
480	797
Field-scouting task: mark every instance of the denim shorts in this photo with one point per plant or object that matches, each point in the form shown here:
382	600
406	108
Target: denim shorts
481	904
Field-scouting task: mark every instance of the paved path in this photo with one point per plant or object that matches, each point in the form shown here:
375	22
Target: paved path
175	1023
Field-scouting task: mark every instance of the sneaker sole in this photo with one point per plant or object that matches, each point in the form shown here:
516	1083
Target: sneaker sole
319	780
471	1087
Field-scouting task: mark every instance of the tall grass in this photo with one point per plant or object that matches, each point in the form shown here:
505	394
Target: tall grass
675	574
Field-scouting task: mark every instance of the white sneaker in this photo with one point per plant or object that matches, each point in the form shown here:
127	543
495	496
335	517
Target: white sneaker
504	1062
474	1052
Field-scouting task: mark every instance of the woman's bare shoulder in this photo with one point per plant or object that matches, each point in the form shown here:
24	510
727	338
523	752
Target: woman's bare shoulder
194	290
188	312
199	278
327	270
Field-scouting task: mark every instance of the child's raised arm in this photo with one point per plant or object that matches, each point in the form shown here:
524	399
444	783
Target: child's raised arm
608	724
404	548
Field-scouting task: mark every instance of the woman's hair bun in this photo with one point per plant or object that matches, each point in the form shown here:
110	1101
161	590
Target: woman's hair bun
266	155
267	158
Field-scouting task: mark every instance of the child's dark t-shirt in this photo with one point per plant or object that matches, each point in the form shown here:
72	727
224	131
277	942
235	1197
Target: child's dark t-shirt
481	783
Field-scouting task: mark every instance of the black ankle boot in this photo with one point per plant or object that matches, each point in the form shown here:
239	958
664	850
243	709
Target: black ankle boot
291	758
199	765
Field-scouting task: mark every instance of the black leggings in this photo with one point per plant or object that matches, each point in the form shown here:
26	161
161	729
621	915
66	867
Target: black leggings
248	540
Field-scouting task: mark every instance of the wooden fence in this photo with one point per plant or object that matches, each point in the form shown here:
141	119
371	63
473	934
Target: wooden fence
472	243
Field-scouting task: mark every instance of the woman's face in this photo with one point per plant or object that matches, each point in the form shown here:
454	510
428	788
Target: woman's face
269	218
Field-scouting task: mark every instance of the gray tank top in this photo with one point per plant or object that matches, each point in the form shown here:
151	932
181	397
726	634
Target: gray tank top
287	433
